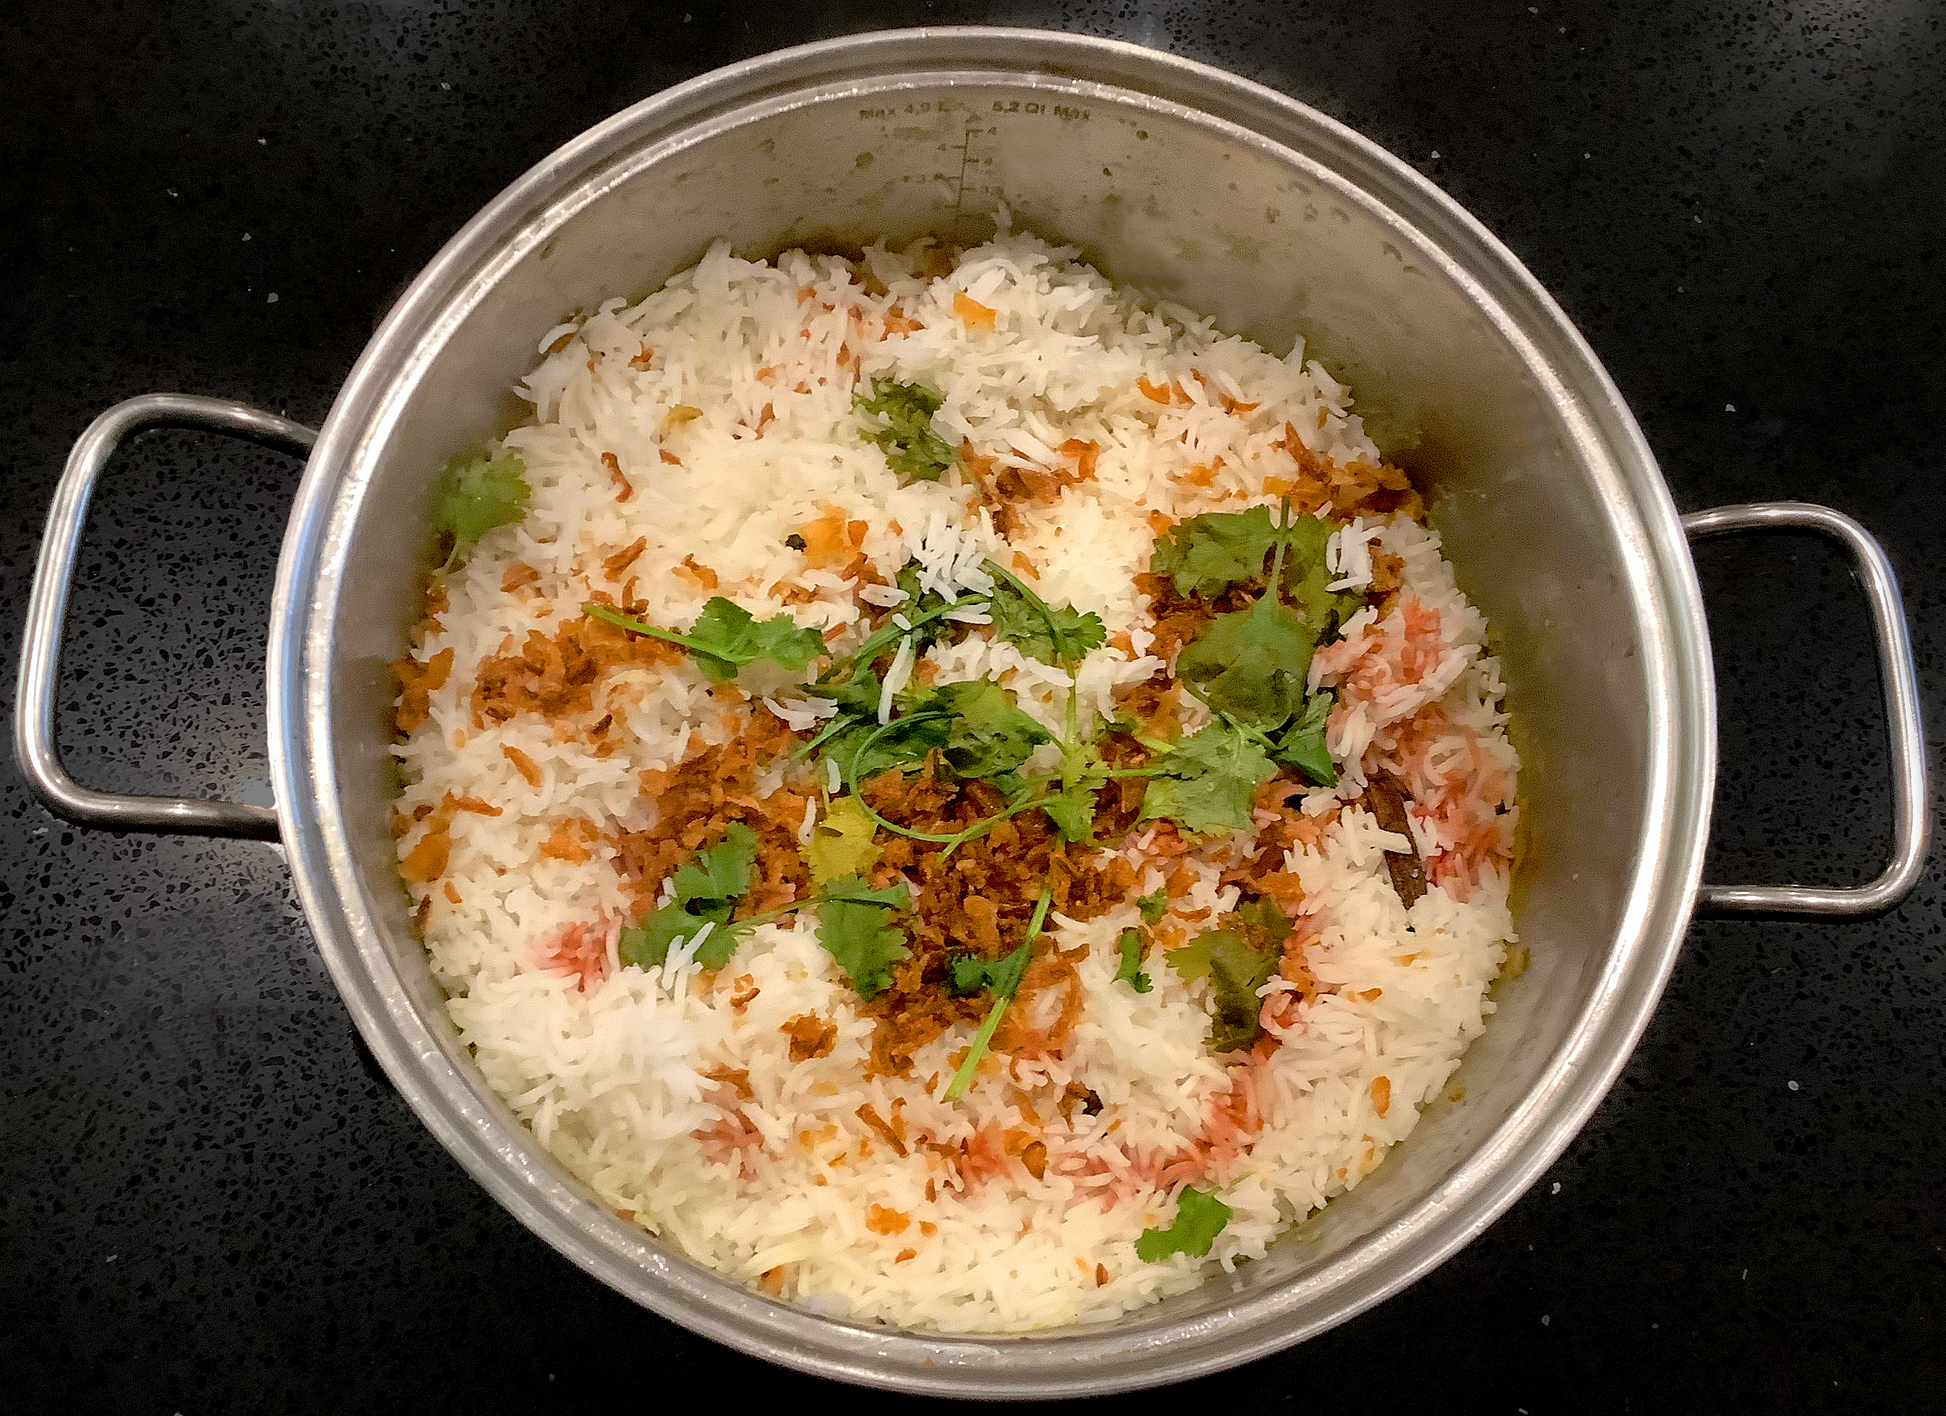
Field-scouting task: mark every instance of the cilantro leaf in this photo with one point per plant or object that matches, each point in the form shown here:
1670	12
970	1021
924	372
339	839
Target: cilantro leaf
1153	906
1004	975
1251	663
1208	554
477	495
1071	807
922	619
717	950
1024	623
857	699
1324	610
1207	781
722	872
969	973
929	632
851	890
903	744
854	928
1205	555
912	448
1200	1217
1237	958
979	728
646	944
1304	543
1301	745
908	581
726	636
966	973
1130	971
1003	979
1263	923
784	642
989	733
841	845
1072	810
857	695
734	637
706	891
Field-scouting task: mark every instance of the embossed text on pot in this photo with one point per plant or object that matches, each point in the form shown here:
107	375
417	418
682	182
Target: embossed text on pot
1193	186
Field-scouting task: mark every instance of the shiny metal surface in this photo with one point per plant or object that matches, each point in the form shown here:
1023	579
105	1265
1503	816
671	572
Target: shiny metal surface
1193	185
1900	680
36	743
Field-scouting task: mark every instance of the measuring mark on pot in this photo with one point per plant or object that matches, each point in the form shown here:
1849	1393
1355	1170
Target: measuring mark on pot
972	158
976	153
959	189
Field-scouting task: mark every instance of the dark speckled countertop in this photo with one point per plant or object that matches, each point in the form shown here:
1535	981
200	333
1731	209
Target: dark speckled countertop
209	1201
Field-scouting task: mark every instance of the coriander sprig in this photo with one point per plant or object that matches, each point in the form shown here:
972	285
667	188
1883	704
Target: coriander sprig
848	772
884	638
1003	978
853	918
726	637
477	495
1070	633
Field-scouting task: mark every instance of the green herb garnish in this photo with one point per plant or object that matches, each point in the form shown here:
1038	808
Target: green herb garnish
1208	554
477	495
1153	906
976	726
854	929
1200	1217
841	845
706	892
918	623
965	973
1205	555
1068	797
1208	780
851	915
1252	662
912	449
924	611
726	636
1302	743
988	733
1072	810
969	973
857	695
1003	980
1060	636
863	747
1250	666
1130	972
857	699
1304	586
1237	958
1054	634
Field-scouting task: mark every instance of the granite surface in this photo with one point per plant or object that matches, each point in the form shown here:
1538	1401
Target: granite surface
210	1200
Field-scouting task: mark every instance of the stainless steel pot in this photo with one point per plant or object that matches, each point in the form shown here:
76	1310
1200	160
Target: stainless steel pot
1193	185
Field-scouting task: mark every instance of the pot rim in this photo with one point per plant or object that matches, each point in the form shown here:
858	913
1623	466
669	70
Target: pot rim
502	1155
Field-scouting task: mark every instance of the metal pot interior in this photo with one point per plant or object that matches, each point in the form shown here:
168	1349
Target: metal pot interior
1199	189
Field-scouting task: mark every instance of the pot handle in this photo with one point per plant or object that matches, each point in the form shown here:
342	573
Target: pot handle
40	654
1909	820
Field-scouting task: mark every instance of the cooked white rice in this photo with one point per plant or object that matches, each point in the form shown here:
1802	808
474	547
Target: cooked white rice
610	1074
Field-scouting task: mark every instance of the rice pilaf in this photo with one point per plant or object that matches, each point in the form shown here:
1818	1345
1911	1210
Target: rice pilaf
869	808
